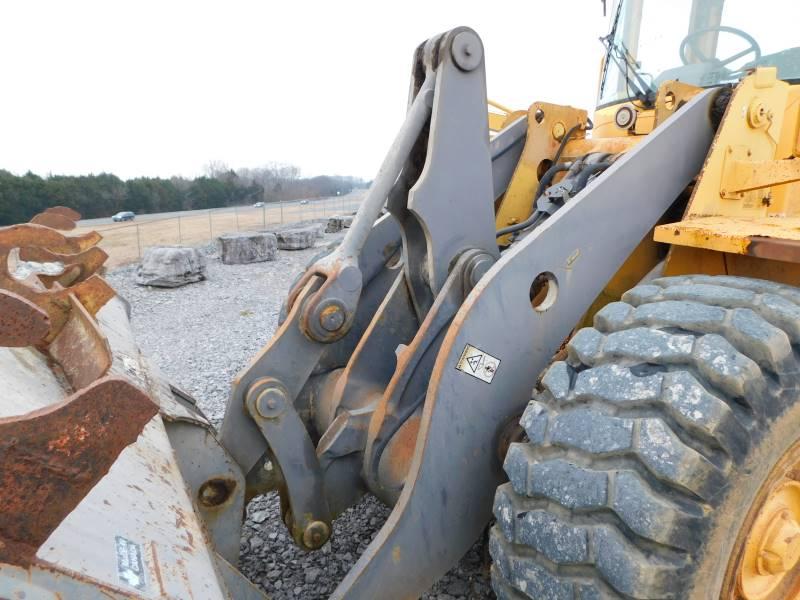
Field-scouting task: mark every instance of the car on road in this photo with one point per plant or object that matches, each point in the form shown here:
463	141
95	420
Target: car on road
258	205
124	215
303	201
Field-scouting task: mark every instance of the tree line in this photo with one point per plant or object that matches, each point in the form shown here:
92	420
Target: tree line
23	196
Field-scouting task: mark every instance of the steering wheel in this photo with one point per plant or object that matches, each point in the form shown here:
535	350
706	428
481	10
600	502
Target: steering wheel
690	41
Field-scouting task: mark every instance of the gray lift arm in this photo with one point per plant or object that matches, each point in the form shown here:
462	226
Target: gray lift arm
360	390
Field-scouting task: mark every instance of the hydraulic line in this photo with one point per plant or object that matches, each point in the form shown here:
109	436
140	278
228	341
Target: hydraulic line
544	182
583	177
580	182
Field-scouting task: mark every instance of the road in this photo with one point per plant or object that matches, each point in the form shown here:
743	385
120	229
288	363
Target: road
289	204
125	242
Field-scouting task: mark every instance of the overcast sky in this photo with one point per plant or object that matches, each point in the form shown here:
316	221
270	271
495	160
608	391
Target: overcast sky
161	88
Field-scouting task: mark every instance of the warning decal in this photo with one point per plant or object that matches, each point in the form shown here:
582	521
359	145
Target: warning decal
130	563
478	363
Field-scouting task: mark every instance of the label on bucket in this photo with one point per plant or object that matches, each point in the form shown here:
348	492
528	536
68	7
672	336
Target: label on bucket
130	563
478	363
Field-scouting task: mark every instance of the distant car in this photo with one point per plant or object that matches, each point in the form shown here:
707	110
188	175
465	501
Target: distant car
124	215
258	205
303	201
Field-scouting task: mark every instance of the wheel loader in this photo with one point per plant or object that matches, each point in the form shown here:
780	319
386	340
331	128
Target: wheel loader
582	333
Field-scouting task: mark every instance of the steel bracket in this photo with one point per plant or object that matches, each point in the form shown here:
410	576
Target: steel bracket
270	407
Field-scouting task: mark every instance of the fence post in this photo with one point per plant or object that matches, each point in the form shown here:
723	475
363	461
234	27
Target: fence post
281	203
138	241
264	215
210	227
236	212
180	235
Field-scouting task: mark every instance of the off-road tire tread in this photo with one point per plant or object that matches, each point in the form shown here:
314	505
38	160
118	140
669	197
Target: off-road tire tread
634	439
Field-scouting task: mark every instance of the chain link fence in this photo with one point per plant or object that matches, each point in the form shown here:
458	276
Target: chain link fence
125	243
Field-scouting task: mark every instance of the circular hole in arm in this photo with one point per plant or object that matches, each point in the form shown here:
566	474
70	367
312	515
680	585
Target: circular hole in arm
544	291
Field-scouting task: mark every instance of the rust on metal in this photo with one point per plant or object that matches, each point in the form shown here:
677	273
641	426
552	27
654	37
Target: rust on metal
30	234
396	458
22	323
61	316
53	294
77	267
93	293
774	248
80	348
52	457
216	491
66	211
54	220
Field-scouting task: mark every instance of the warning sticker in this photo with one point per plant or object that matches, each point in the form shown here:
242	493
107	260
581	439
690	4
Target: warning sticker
130	563
478	363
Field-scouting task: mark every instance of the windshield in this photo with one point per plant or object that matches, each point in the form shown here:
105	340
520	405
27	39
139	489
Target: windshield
701	42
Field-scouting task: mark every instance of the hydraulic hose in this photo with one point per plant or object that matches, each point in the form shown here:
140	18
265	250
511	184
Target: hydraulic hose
544	181
580	182
583	177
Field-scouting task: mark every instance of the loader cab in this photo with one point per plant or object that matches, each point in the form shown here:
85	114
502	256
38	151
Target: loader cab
704	43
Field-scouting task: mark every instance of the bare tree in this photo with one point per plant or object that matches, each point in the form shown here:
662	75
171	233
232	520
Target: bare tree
216	169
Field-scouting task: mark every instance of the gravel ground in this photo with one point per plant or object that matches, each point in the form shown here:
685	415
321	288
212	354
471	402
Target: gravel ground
201	335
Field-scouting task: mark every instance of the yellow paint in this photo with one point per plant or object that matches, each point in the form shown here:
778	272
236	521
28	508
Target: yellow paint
496	121
540	145
645	122
502	116
727	234
615	145
501	107
749	175
671	96
750	183
772	550
605	125
741	138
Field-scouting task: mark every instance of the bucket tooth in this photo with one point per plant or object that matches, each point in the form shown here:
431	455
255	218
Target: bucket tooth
22	323
50	458
54	220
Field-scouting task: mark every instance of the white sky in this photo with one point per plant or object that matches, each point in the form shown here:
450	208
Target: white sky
161	88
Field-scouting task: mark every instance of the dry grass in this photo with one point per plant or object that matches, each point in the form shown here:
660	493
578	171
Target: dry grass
126	242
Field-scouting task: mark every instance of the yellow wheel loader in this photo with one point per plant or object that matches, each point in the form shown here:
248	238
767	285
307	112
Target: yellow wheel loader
586	331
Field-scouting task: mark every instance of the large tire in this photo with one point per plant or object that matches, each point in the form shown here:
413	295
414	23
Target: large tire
647	447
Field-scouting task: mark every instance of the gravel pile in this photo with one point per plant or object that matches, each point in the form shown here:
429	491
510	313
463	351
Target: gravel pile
201	335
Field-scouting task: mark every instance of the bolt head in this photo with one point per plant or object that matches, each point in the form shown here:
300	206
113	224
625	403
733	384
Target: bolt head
215	492
316	534
559	130
270	402
332	318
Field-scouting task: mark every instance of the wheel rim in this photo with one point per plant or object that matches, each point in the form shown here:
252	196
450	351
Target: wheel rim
767	566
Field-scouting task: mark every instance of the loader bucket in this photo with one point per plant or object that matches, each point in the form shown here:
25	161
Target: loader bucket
99	496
